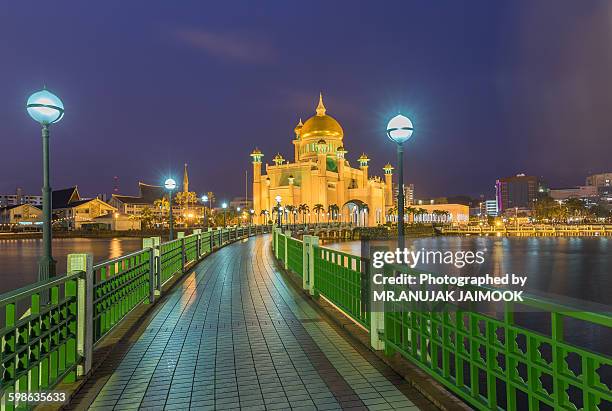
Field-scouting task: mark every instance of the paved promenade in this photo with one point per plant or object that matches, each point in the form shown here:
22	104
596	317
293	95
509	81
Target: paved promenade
236	335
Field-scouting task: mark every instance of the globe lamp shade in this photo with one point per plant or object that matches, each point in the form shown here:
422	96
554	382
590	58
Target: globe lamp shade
399	129
170	184
45	107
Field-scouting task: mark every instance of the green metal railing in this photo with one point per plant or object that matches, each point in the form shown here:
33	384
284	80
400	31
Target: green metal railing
338	277
491	363
119	285
39	347
51	327
295	255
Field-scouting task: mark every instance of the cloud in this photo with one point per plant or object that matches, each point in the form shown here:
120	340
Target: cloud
228	46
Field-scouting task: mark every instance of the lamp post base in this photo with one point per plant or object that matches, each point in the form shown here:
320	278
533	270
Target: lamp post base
46	268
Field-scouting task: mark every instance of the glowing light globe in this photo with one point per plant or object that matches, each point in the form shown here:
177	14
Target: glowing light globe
278	199
45	107
224	205
399	129
170	184
204	198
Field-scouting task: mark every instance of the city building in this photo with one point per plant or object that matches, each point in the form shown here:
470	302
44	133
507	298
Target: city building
71	211
603	183
320	176
519	191
20	214
588	193
491	208
113	222
442	213
242	202
408	194
147	198
19	198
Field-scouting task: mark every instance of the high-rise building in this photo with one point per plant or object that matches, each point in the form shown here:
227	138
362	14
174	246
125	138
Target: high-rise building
491	208
408	194
519	191
19	198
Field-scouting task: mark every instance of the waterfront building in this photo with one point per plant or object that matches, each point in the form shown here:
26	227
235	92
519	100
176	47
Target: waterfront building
491	208
603	184
320	176
20	214
442	213
519	191
114	222
19	198
242	202
71	211
147	198
408	194
588	193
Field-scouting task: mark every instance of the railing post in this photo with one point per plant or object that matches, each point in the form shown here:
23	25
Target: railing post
314	241
149	243
286	259
377	312
183	254
84	263
156	241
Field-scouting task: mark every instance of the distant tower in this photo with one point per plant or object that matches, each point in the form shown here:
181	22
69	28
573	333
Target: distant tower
185	180
116	185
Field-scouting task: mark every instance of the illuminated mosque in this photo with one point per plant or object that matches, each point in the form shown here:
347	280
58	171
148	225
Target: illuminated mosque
321	174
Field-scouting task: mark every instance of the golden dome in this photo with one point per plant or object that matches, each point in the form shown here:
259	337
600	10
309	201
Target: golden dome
298	129
321	125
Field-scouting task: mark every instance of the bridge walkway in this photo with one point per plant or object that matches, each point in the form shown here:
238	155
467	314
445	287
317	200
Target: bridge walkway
235	334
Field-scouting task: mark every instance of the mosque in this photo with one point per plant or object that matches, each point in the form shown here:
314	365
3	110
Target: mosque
321	176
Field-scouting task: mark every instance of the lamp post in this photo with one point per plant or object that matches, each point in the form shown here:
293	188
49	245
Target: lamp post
238	215
204	200
170	185
224	207
399	130
279	210
46	108
251	216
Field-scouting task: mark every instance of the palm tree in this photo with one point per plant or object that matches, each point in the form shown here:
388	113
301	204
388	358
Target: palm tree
304	209
419	212
290	209
265	214
318	208
333	210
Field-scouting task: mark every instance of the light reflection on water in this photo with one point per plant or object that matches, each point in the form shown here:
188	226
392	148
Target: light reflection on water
19	258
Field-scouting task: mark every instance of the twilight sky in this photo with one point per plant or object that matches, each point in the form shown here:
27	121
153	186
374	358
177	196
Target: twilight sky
493	87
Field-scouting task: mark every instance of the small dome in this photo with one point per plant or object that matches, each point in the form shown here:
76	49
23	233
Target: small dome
363	157
388	166
298	128
256	151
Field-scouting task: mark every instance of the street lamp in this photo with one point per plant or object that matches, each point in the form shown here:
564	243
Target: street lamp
46	108
224	207
399	130
204	200
170	185
251	216
279	210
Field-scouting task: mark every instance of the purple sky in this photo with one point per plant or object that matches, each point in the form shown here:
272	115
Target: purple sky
493	87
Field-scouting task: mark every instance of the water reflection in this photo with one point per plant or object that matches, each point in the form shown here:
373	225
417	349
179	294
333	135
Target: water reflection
19	258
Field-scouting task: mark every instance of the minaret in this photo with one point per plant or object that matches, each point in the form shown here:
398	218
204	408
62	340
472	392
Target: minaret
296	142
185	180
363	165
388	169
257	155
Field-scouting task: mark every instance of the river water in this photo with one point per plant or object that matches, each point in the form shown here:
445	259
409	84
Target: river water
19	258
569	268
